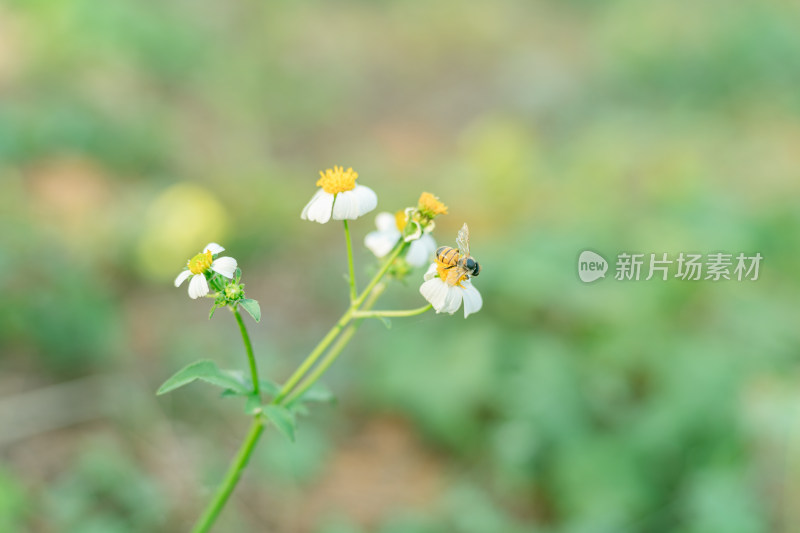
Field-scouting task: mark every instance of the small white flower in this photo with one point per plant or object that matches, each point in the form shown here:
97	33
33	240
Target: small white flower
382	241
339	198
198	265
446	298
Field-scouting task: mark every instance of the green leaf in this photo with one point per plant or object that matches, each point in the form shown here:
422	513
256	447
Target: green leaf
252	308
282	418
269	387
205	370
317	393
386	322
299	409
227	393
253	403
213	308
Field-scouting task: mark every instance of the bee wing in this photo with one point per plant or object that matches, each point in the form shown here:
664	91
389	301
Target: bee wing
453	275
463	240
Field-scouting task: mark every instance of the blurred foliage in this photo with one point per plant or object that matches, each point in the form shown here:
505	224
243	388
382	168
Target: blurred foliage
133	133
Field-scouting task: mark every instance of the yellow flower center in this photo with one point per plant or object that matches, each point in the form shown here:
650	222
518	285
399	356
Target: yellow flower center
200	263
337	180
400	220
430	206
443	272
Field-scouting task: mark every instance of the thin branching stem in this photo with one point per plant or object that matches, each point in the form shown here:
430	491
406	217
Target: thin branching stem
351	270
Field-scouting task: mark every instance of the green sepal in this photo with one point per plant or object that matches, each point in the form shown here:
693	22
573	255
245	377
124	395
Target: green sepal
252	308
217	282
282	418
204	370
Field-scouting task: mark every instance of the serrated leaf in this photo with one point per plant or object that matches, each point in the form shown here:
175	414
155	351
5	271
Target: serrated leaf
252	308
253	402
205	370
282	418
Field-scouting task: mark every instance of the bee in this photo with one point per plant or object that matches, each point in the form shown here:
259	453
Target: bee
458	263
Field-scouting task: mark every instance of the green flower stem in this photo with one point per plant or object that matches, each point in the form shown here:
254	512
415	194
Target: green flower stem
353	291
249	347
313	356
382	272
317	352
378	314
335	350
224	491
320	369
367	298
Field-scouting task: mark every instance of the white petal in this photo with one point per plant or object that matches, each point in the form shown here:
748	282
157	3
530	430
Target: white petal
346	206
472	299
421	251
435	291
304	214
198	286
182	277
386	222
225	266
381	243
319	207
430	273
367	199
453	300
214	248
352	204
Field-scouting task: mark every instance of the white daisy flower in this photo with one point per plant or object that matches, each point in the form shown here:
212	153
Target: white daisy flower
446	298
198	265
339	198
382	242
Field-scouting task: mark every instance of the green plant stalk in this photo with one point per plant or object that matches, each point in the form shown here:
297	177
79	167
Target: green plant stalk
351	270
373	291
249	348
326	341
380	314
402	245
335	350
224	491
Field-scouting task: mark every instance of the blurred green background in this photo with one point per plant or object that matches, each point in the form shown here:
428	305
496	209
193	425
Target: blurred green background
134	132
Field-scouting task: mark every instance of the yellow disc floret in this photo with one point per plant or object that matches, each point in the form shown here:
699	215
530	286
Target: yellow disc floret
337	180
200	263
430	206
444	271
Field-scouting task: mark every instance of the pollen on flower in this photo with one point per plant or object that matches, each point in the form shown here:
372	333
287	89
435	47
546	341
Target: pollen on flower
430	206
337	180
443	270
200	263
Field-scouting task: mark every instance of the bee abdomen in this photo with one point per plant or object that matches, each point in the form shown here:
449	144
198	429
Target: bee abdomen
446	255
